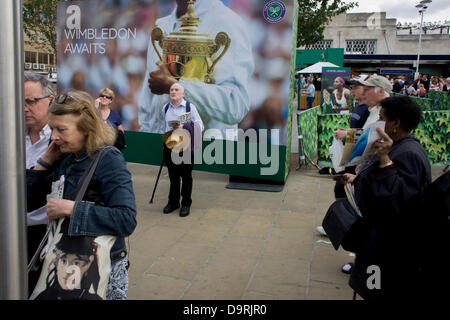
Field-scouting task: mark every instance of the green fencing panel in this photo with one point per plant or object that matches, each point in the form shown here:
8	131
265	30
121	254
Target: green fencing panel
327	124
439	100
308	121
435	101
424	103
433	133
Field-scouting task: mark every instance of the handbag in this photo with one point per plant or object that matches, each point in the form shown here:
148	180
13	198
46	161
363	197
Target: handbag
75	267
341	223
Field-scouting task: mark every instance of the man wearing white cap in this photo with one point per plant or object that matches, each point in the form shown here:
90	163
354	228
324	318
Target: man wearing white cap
376	88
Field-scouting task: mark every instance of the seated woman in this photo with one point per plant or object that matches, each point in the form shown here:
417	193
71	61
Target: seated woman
108	206
389	192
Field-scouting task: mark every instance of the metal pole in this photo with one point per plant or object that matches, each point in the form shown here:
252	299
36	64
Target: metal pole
13	250
420	41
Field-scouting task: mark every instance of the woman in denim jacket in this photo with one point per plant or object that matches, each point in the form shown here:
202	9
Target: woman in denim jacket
108	206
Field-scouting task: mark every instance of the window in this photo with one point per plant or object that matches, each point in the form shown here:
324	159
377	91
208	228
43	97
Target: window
52	59
322	45
43	57
361	46
30	56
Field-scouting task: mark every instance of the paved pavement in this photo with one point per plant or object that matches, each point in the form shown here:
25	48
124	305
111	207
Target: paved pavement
235	244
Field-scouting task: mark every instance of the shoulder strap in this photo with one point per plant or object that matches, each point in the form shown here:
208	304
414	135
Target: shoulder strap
86	178
166	108
82	186
188	106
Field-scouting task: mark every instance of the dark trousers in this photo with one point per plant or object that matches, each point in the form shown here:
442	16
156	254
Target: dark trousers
309	102
181	171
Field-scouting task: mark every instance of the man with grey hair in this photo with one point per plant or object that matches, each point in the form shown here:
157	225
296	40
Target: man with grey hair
376	88
39	93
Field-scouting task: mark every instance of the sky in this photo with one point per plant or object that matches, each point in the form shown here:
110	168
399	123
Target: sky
405	10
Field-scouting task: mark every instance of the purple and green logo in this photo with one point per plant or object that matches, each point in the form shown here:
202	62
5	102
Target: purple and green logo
274	11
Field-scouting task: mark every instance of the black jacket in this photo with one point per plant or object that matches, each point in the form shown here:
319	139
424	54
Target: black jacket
390	200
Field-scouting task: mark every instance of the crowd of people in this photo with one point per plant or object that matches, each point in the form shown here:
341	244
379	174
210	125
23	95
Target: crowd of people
420	86
66	131
390	190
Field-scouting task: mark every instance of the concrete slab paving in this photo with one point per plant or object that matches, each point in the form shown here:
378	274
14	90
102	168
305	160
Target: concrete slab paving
235	244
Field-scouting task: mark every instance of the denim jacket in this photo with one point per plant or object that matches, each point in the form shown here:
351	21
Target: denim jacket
108	206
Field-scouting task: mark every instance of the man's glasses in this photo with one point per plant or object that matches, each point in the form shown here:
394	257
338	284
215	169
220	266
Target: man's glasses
63	97
105	96
34	101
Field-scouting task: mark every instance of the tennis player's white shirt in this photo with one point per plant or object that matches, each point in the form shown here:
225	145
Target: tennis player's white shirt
33	153
173	114
221	105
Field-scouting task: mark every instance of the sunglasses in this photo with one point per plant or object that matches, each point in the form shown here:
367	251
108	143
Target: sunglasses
61	99
32	102
105	96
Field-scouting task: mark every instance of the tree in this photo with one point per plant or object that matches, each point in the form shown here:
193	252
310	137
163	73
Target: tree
39	23
313	14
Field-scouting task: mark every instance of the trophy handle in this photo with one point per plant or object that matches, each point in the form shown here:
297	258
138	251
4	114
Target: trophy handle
222	39
157	35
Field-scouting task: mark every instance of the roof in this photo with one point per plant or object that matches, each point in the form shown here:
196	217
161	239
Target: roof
317	67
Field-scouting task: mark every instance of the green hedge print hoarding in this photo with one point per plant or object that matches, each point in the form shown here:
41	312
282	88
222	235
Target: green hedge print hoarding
308	125
433	133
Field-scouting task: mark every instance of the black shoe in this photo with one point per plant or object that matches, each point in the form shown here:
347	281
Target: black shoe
184	212
170	208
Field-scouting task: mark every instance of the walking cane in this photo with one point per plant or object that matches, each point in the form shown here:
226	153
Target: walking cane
157	179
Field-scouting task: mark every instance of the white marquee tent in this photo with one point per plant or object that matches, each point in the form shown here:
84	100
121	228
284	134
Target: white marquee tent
317	67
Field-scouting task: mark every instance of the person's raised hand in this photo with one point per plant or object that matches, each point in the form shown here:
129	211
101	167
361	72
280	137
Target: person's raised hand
52	154
382	146
97	102
161	79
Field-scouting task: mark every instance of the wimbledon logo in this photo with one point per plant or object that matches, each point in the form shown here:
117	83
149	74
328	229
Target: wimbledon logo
274	11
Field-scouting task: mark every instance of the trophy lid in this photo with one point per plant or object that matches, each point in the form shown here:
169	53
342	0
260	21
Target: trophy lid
189	25
189	21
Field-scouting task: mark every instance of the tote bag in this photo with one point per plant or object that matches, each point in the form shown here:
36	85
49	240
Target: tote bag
75	267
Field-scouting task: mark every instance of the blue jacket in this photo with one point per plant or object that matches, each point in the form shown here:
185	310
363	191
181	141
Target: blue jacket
108	206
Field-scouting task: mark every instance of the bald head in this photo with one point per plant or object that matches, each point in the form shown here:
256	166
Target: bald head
176	94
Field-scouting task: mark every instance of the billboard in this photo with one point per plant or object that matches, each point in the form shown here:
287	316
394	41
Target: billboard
233	59
336	96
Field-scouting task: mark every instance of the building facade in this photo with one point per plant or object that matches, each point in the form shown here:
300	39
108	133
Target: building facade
370	40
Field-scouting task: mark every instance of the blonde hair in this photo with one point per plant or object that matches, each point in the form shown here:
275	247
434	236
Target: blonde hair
108	92
80	103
